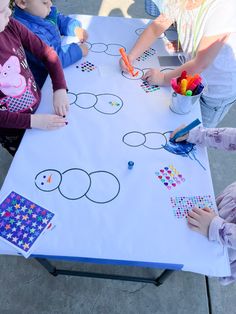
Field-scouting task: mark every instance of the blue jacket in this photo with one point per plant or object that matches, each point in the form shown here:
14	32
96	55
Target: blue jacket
50	30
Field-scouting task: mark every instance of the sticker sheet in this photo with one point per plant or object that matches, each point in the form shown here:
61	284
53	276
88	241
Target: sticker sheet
22	222
170	177
181	205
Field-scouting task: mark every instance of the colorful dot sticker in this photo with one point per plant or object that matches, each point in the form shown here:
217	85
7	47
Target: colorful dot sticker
183	204
149	88
170	177
86	66
114	103
147	54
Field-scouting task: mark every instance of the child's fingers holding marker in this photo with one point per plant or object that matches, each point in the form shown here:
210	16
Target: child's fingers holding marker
182	138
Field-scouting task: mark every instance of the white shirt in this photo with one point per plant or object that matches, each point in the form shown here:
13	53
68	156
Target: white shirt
213	17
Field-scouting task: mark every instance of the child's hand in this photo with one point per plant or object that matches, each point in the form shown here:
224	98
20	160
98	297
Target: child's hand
182	138
200	219
81	34
154	77
173	46
47	121
84	49
60	102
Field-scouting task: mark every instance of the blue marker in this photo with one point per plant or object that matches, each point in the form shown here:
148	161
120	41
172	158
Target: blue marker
130	164
185	130
198	89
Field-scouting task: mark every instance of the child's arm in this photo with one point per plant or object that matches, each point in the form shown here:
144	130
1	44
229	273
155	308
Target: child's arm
42	52
68	54
221	138
71	53
50	59
69	26
148	37
206	222
219	24
207	51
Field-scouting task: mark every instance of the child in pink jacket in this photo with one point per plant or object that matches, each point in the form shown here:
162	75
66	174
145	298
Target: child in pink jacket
222	227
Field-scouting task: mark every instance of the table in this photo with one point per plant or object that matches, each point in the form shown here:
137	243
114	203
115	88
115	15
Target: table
105	212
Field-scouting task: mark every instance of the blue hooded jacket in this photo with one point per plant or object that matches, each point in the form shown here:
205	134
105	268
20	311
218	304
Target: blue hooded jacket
50	29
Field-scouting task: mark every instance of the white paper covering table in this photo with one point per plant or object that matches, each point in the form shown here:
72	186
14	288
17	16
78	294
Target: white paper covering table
104	211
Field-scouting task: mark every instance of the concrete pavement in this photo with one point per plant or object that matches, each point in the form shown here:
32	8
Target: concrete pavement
25	287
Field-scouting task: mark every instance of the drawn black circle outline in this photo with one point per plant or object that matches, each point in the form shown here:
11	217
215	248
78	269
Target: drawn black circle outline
110	54
77	198
97	100
98	171
89	44
190	152
155	133
44	171
133	78
91	49
123	138
145	139
111	113
87	93
71	93
90	183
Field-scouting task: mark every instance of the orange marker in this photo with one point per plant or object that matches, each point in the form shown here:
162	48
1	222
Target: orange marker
127	63
192	79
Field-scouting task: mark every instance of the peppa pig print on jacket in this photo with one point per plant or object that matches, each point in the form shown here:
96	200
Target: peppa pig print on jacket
18	92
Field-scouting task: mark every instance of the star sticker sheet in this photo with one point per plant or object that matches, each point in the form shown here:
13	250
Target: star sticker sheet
22	222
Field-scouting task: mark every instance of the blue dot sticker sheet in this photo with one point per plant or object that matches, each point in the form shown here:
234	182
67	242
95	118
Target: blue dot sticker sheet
22	222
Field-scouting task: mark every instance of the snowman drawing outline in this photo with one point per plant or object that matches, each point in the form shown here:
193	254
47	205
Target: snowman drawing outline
75	183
